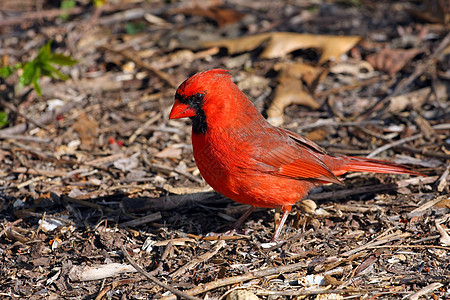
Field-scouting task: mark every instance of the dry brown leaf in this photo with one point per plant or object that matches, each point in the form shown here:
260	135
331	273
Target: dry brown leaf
170	152
290	90
392	60
87	129
445	238
419	97
311	75
444	203
281	43
317	135
239	45
241	295
332	47
425	127
359	69
223	16
436	11
93	38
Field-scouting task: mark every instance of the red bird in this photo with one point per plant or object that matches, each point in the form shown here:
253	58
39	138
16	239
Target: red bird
245	158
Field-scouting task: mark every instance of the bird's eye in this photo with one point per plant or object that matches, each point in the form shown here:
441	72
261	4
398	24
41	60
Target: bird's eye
198	97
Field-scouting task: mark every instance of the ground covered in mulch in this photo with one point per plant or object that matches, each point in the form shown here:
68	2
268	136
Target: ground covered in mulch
94	177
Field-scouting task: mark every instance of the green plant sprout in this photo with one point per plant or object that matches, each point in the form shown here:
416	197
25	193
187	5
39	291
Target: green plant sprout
3	119
42	65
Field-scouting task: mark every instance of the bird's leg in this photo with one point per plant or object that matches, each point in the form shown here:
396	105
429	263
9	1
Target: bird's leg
239	222
286	210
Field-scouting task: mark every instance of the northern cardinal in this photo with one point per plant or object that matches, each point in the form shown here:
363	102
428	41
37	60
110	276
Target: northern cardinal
243	157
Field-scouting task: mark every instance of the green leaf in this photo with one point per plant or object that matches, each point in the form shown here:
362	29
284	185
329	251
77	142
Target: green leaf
66	5
133	28
6	71
42	65
29	71
45	52
35	80
3	119
62	60
52	72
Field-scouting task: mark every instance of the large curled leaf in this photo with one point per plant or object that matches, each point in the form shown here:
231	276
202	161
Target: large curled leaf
281	43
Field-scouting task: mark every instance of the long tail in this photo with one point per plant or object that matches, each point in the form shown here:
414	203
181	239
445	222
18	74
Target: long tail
344	164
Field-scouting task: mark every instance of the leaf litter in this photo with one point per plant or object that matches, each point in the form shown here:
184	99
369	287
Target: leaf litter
103	180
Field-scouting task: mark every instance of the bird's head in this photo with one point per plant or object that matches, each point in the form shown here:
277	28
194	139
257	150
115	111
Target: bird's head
204	95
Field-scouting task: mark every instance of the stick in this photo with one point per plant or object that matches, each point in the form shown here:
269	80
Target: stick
314	292
96	272
419	70
202	288
45	119
422	292
384	240
204	257
156	280
134	57
393	144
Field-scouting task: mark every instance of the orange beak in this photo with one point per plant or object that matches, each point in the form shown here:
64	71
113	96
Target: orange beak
181	110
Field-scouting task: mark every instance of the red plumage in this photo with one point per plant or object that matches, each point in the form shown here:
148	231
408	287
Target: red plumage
248	160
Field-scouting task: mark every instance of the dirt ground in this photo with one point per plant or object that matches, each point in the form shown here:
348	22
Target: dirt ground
94	178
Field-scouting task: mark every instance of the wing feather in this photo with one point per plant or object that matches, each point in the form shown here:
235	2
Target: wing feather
293	156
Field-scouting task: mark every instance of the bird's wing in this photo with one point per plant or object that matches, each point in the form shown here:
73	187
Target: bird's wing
303	142
289	155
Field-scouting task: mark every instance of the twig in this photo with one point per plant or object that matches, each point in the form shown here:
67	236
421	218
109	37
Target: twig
55	13
204	257
89	204
422	292
410	246
168	170
353	191
442	181
350	87
384	240
14	109
113	285
425	206
45	119
134	57
202	288
185	174
315	292
393	144
404	83
167	251
26	138
8	226
136	205
156	280
372	188
96	272
445	238
410	149
333	122
144	126
146	219
36	15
